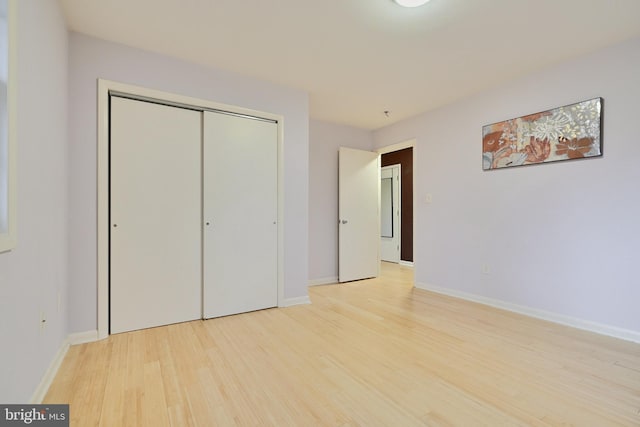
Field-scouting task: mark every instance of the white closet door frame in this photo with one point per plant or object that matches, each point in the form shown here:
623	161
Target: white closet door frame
107	87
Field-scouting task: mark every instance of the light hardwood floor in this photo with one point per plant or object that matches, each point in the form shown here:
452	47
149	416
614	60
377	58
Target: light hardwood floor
371	353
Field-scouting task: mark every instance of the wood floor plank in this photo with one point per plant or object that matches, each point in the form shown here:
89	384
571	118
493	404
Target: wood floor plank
369	353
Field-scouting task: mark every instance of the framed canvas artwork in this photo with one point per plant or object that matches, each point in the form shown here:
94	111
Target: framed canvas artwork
564	133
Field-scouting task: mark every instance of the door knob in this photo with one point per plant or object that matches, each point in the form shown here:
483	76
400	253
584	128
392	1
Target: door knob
344	221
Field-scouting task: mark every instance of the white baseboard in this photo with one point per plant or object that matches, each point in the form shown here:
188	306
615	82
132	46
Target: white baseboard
406	263
324	281
52	370
50	374
83	337
288	302
599	328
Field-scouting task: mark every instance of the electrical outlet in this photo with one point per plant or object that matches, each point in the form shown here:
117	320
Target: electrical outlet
486	269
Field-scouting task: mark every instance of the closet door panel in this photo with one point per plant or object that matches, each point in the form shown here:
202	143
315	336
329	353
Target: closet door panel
240	214
155	208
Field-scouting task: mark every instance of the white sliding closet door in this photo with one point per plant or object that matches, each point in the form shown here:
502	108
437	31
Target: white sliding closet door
240	214
155	252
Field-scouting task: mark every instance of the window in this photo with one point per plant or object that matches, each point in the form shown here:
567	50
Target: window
7	127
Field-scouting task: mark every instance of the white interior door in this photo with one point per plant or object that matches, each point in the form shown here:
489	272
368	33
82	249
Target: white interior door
240	214
155	215
358	216
390	213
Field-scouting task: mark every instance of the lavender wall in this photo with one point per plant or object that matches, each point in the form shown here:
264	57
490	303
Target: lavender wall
91	59
559	237
324	141
33	277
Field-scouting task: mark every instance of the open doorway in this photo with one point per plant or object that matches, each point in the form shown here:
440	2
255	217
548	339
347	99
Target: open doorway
403	156
359	217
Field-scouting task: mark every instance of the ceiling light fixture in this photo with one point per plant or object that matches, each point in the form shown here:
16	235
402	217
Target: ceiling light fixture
411	3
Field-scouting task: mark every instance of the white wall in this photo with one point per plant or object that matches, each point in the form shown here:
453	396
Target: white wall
91	59
34	274
324	141
559	237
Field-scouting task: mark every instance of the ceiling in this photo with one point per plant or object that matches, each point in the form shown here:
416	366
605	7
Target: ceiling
358	58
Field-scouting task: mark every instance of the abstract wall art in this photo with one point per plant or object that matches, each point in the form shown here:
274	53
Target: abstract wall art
564	133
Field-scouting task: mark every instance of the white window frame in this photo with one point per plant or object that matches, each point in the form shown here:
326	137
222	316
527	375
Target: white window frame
8	236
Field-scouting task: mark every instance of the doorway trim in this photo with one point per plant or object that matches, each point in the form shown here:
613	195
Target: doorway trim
105	87
409	143
396	211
